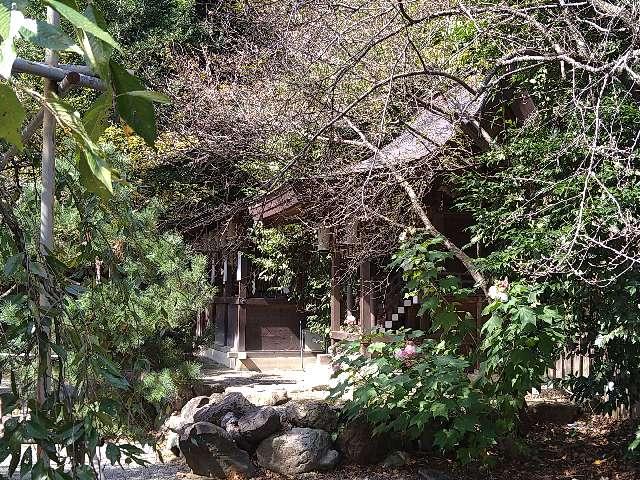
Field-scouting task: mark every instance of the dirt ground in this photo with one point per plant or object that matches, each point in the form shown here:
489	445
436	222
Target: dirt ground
590	449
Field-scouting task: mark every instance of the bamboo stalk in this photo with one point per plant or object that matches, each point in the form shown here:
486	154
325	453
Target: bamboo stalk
47	199
58	73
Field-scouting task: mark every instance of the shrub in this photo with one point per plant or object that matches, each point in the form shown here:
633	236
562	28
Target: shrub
408	381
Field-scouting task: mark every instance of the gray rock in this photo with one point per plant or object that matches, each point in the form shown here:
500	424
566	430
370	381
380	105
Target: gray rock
300	450
173	443
211	452
257	425
360	446
173	423
192	406
430	474
228	420
396	460
214	412
262	396
311	414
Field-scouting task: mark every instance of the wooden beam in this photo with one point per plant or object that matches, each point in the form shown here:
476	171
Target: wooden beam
366	311
335	291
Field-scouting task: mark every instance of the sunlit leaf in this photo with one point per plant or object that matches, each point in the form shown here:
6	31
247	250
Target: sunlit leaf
94	171
11	116
45	35
96	51
10	30
136	111
78	20
151	96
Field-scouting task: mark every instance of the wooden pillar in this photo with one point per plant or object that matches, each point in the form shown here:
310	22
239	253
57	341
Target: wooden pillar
335	292
366	310
241	332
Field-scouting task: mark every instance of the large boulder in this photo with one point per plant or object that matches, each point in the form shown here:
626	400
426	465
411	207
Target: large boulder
311	414
211	452
300	450
262	396
188	411
192	406
234	403
360	446
173	443
255	426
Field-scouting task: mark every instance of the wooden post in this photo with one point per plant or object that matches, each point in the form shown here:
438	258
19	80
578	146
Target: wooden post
335	292
240	343
366	311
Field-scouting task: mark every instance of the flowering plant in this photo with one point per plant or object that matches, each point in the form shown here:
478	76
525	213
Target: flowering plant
350	324
410	381
408	352
498	291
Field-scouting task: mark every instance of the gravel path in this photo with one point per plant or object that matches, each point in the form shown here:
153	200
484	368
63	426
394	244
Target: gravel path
158	471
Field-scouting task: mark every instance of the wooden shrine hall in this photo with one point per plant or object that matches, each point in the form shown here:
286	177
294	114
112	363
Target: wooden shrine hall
257	330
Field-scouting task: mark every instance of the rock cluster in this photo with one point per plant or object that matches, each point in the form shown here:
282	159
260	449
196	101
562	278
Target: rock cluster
219	435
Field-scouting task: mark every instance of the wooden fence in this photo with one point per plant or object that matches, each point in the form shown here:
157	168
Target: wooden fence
580	366
570	365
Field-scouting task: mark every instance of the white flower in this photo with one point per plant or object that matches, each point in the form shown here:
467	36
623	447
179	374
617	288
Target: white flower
493	292
610	386
498	292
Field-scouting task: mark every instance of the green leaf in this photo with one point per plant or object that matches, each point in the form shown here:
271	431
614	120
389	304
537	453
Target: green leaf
37	269
40	471
97	53
95	120
445	320
377	347
26	464
95	175
36	431
117	381
11	116
5	21
12	264
466	423
439	410
10	30
85	473
136	111
60	351
78	20
527	316
45	35
113	453
94	172
151	96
